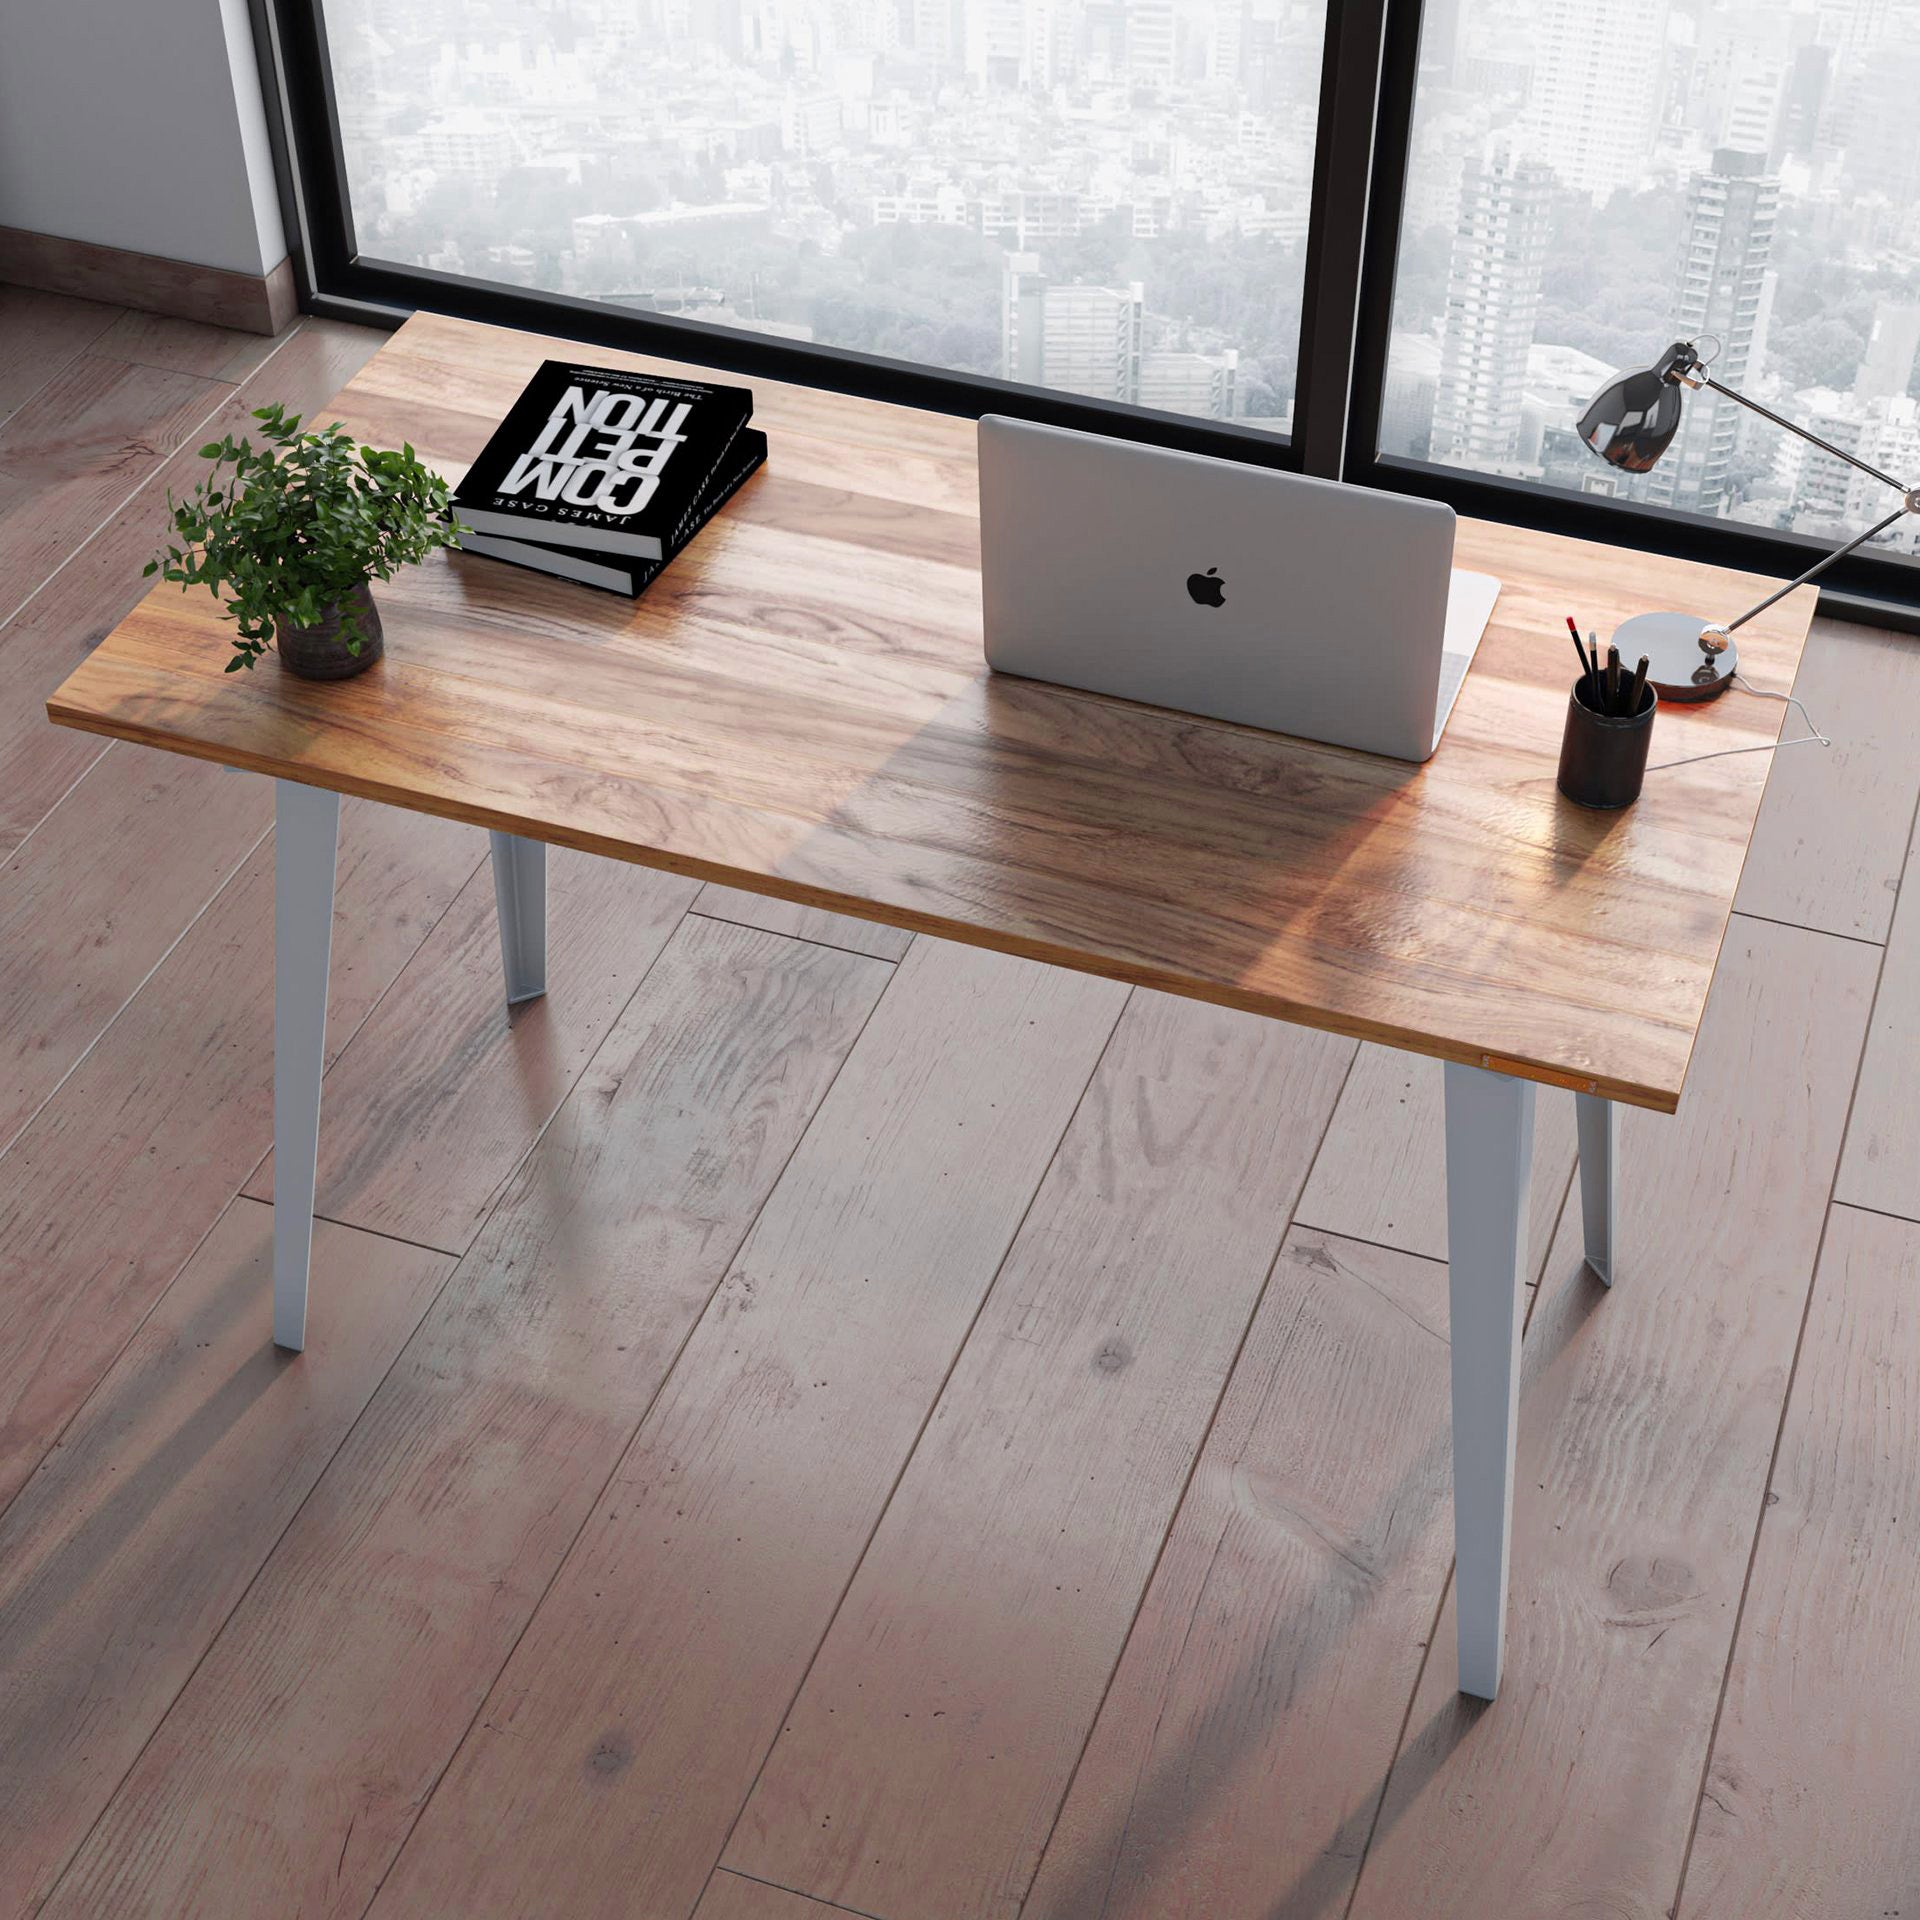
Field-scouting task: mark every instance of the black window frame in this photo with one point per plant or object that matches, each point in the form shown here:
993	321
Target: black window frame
1368	81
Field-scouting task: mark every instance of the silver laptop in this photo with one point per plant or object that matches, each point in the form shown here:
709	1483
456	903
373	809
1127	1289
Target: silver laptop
1236	592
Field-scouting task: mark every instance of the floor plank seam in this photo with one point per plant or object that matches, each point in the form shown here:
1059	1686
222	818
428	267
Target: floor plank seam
27	400
833	946
920	1433
139	987
146	480
100	527
1193	1467
1801	926
266	1559
1440	1259
60	799
154	366
359	1026
653	1399
1547	1239
812	1899
82	347
1779	1433
1880	1213
540	1132
386	1233
1546	1252
1362	1240
239	1191
1399	1741
1446	1580
65	1427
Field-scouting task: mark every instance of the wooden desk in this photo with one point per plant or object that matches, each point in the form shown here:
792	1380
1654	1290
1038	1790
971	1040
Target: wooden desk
799	706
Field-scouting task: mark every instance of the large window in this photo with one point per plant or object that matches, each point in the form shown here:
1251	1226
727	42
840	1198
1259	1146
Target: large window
1394	242
1106	198
1589	179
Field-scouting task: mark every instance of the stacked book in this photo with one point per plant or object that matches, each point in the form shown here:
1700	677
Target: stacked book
602	476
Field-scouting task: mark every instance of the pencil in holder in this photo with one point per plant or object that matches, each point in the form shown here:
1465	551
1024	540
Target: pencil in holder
1603	756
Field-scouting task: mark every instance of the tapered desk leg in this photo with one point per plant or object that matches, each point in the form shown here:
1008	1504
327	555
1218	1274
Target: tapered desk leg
1489	1154
520	901
306	838
1599	1122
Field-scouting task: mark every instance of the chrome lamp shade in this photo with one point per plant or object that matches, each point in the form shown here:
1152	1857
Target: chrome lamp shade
1631	421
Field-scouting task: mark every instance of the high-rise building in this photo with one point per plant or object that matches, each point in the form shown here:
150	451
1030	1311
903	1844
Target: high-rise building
809	121
1854	26
1756	108
1206	384
1721	291
1886	368
1805	102
1226	44
1876	124
936	29
1597	87
1818	483
1763	325
1493	299
1739	90
1071	337
1103	38
1406	405
1440	36
1016	42
1151	49
1048	48
1280	59
468	145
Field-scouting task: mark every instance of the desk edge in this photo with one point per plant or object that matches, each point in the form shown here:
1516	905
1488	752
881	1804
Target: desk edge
1658	1099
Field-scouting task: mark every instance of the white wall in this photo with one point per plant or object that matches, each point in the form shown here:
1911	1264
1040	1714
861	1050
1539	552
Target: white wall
138	124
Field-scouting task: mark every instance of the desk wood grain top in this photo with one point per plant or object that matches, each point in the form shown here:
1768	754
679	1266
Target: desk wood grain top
799	706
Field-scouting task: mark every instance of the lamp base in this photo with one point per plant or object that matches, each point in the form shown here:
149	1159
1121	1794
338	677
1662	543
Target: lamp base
1677	669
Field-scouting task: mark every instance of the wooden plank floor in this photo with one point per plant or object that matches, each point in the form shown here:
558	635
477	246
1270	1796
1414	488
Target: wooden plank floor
809	1421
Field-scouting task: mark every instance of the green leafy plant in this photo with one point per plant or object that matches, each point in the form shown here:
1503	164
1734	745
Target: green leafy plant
287	529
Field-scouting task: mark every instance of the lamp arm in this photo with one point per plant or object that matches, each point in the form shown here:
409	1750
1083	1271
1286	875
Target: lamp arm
1820	566
1706	379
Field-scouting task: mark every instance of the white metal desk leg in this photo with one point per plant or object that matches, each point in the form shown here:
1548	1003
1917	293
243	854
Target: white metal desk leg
520	902
306	838
1599	1122
1489	1156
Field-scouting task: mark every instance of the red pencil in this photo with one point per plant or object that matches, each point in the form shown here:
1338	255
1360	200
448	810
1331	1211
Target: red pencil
1588	668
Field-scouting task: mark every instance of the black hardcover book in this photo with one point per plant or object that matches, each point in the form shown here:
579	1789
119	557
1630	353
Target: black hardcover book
611	570
599	458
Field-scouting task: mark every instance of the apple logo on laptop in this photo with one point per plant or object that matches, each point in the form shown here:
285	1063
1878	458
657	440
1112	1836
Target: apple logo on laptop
1207	589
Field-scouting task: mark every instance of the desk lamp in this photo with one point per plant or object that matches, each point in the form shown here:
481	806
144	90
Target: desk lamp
1630	423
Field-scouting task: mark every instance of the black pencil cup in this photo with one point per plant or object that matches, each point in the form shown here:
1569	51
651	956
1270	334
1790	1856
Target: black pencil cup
1603	758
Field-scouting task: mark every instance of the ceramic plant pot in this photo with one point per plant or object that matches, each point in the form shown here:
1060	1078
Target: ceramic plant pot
319	652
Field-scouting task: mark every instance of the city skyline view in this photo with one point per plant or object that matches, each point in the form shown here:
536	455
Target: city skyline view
1106	197
1110	198
1588	182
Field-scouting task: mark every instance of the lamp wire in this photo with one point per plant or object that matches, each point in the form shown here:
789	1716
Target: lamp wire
1807	739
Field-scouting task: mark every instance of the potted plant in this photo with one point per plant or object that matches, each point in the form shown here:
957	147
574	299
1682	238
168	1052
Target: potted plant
291	533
